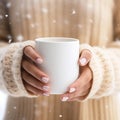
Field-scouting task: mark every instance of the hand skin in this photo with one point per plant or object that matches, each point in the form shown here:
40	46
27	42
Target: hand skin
35	81
81	87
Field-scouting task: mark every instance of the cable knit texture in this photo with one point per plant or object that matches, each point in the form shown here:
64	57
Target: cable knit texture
103	72
11	68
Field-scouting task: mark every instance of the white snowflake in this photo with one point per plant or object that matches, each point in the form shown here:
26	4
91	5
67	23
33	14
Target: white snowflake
1	16
66	22
54	21
118	25
106	106
90	20
37	113
10	40
73	12
80	26
106	38
44	10
90	5
17	13
23	118
45	104
14	107
36	24
20	38
6	15
32	25
28	16
60	116
8	5
9	36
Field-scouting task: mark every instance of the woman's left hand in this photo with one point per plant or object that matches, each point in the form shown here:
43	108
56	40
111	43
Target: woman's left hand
81	87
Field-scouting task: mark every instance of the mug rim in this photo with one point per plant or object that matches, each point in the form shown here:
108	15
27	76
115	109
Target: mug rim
56	40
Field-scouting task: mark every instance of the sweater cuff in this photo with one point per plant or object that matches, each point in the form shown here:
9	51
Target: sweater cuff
103	74
12	69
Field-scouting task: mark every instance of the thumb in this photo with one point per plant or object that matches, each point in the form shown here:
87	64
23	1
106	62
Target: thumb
85	57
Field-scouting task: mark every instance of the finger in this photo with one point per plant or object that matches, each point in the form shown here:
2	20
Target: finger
32	54
34	71
85	57
33	90
34	82
69	96
84	79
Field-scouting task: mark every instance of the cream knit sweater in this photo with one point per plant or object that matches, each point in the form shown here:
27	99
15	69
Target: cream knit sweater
104	64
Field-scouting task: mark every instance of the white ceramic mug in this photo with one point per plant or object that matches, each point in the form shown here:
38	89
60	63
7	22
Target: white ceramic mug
60	61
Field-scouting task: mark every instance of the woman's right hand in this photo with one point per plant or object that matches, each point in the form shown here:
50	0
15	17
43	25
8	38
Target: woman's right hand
35	81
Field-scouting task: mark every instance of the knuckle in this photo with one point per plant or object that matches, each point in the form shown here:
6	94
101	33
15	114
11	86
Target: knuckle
87	54
31	89
36	73
71	96
24	63
23	74
26	49
27	86
36	84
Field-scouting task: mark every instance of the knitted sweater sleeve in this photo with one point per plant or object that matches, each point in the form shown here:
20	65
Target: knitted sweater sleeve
10	68
106	70
10	59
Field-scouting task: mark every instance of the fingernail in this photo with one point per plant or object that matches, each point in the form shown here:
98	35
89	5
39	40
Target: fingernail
45	79
46	88
39	60
83	61
65	99
72	90
46	94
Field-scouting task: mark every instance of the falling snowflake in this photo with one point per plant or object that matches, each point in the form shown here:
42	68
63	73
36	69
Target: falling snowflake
54	21
14	107
8	5
73	12
23	118
20	38
10	40
6	15
118	25
36	24
45	104
32	25
37	113
17	13
106	106
1	17
44	10
90	5
28	16
80	26
66	22
106	38
9	36
60	116
90	20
